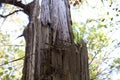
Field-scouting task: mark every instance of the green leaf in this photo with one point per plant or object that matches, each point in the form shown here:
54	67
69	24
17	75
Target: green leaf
112	66
13	76
6	56
1	73
7	77
10	68
6	62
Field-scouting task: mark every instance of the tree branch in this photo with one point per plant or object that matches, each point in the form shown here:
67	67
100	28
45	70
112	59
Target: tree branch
11	45
4	16
26	8
12	61
13	2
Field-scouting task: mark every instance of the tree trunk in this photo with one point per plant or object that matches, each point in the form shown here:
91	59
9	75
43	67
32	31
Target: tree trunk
50	50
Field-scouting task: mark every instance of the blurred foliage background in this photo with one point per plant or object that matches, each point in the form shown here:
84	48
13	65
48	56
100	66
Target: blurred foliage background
97	22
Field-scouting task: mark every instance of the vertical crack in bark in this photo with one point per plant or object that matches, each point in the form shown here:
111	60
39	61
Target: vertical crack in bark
45	12
49	44
69	21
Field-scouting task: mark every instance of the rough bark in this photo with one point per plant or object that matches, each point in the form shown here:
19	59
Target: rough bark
84	68
50	50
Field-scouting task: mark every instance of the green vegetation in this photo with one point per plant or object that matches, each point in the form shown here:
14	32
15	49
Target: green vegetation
11	49
93	22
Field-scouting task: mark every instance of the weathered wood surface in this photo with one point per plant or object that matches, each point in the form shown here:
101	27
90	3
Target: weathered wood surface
50	51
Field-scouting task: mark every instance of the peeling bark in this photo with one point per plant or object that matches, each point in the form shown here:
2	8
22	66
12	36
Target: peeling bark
50	51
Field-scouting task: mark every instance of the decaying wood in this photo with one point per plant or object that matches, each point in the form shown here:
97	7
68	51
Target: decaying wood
50	51
84	68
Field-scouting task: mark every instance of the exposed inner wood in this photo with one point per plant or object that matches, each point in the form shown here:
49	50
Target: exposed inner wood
50	50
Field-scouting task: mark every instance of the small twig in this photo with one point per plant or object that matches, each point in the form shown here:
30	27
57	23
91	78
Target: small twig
12	61
10	45
93	58
3	20
4	16
95	55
